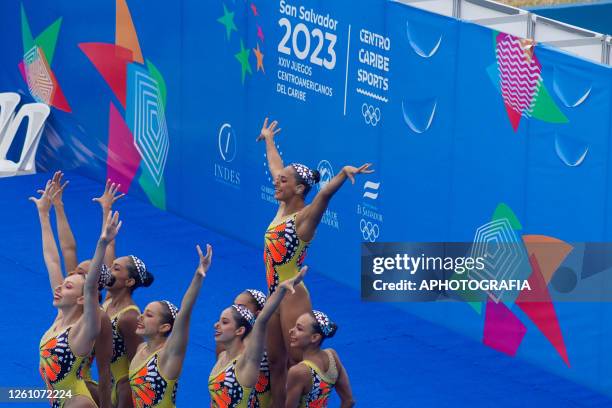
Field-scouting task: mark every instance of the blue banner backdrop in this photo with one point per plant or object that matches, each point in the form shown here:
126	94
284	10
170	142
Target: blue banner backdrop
464	125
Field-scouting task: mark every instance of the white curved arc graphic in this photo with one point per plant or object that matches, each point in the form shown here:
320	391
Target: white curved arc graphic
559	91
583	98
413	125
418	50
578	102
565	159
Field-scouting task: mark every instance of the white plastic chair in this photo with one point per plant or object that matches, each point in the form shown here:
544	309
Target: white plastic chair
8	103
37	113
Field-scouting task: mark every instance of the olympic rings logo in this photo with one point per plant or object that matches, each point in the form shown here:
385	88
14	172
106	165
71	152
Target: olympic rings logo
369	230
371	115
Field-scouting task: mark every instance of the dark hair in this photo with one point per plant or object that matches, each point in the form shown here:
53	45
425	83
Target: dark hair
316	327
166	316
300	180
133	274
254	301
241	322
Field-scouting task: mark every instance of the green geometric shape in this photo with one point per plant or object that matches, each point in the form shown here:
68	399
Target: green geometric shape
503	211
243	58
47	40
494	33
26	34
477	306
228	21
546	109
155	193
160	81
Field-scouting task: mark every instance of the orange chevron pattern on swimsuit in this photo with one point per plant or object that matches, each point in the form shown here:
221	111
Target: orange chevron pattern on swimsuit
58	366
260	395
283	251
49	366
56	359
225	390
263	383
142	390
149	388
318	397
85	368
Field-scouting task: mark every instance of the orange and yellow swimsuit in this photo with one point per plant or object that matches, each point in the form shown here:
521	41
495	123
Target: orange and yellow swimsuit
322	383
150	389
60	368
261	394
86	369
226	391
284	252
120	364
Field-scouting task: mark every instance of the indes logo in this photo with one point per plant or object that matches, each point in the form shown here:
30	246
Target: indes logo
227	143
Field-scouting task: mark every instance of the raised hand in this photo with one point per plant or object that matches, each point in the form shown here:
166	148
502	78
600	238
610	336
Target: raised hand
43	203
58	190
290	284
350	171
111	227
205	260
268	132
110	195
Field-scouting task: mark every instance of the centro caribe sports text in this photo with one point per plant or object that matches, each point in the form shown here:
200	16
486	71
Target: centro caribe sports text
306	43
374	57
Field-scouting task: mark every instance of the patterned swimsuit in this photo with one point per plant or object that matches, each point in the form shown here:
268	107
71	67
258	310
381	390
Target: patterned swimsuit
60	368
226	391
261	393
322	383
120	364
284	252
149	388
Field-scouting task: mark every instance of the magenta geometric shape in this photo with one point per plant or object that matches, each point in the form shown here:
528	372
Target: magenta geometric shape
503	331
538	306
520	75
123	158
22	71
111	61
260	33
